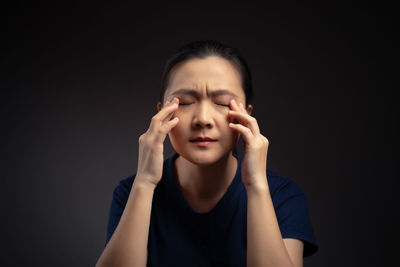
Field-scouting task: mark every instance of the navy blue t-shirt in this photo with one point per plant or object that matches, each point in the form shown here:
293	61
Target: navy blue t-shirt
180	236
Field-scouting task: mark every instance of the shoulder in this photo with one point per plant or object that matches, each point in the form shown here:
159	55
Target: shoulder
281	186
291	207
286	195
122	190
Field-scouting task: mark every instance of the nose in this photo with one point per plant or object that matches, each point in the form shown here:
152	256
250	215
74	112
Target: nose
202	116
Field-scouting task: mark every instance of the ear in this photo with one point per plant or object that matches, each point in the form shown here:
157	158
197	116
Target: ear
159	106
249	109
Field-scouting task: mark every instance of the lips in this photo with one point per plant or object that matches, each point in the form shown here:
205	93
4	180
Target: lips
203	139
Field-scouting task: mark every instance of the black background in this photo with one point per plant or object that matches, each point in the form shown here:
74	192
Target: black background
80	83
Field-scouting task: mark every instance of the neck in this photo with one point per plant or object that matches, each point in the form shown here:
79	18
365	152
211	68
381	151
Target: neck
205	182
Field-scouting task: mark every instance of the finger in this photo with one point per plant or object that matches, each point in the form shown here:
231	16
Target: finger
165	129
165	113
167	110
238	106
248	120
234	105
245	119
246	132
172	114
166	104
169	117
242	107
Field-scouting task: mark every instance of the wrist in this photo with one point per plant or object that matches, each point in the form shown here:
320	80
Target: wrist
258	187
141	181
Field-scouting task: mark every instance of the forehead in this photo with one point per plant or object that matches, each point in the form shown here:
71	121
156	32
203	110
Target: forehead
205	75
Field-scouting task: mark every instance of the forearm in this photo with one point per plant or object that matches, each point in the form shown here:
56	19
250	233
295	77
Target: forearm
265	246
128	244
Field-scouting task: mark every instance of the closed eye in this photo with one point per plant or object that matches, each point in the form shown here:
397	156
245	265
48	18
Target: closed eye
187	104
223	105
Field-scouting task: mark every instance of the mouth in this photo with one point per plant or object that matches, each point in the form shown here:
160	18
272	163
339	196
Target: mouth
203	141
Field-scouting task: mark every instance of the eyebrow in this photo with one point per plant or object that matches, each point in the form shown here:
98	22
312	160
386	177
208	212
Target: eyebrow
195	93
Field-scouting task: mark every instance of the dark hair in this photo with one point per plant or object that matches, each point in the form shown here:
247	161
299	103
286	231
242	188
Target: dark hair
204	49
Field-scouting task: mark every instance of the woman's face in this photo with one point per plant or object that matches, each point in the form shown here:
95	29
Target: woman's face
204	88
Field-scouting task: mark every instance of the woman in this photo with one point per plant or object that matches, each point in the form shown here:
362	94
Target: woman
206	206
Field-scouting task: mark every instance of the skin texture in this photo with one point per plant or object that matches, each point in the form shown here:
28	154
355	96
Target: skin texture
128	244
203	173
199	170
204	113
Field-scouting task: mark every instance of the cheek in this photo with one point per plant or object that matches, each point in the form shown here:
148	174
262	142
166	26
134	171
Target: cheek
178	132
231	119
227	131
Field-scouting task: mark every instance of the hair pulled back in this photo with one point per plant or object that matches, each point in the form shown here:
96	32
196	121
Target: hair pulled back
203	49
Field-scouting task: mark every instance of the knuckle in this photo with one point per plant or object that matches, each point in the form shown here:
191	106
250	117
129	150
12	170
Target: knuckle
154	119
266	141
162	131
142	138
146	139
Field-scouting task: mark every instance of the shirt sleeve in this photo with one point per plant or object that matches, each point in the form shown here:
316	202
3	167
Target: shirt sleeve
120	197
291	208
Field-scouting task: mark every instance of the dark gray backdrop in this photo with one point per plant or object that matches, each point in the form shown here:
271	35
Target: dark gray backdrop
79	84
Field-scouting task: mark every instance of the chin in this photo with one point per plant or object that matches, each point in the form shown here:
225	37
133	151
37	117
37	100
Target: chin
204	157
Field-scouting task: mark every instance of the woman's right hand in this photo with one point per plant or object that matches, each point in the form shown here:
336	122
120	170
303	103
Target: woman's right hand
151	144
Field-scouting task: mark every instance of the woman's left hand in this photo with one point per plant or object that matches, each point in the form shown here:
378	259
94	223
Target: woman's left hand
254	163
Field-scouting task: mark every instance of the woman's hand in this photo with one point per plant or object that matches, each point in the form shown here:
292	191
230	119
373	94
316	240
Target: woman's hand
254	164
151	144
